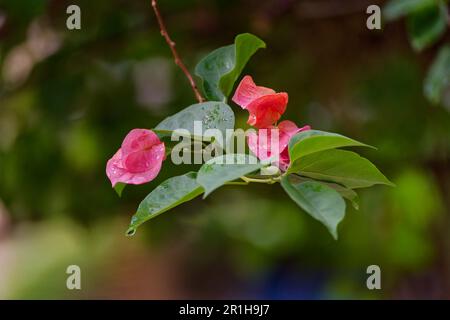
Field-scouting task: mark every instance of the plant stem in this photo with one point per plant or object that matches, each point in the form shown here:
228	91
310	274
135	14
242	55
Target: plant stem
247	180
268	181
177	58
448	16
236	183
446	10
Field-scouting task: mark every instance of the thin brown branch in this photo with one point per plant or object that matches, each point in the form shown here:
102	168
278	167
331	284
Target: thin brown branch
446	10
448	17
177	58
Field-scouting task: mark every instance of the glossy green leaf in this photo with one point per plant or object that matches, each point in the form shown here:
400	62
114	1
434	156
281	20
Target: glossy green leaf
395	9
320	201
347	193
427	26
220	69
438	78
211	68
169	194
213	115
311	141
340	166
246	46
220	170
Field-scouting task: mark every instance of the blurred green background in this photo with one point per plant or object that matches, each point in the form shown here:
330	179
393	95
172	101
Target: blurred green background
67	99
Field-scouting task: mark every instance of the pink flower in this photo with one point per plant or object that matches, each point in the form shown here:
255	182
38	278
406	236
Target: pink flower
263	147
264	105
139	159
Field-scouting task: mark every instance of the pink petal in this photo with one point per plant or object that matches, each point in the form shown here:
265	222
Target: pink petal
261	144
284	160
144	160
248	91
139	160
263	147
267	110
288	127
142	177
114	168
138	140
304	128
252	141
287	130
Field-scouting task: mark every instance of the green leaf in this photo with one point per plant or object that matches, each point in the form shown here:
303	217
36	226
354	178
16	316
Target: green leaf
119	188
220	170
438	78
246	46
399	8
340	166
311	141
347	193
169	194
427	26
220	69
213	115
211	68
320	201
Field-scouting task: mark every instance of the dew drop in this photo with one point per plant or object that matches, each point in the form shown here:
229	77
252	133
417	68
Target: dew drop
131	232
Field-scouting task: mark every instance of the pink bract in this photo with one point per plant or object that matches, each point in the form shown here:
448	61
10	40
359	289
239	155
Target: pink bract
264	105
261	145
139	159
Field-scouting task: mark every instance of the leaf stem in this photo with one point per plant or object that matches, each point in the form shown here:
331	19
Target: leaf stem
236	183
268	181
175	54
